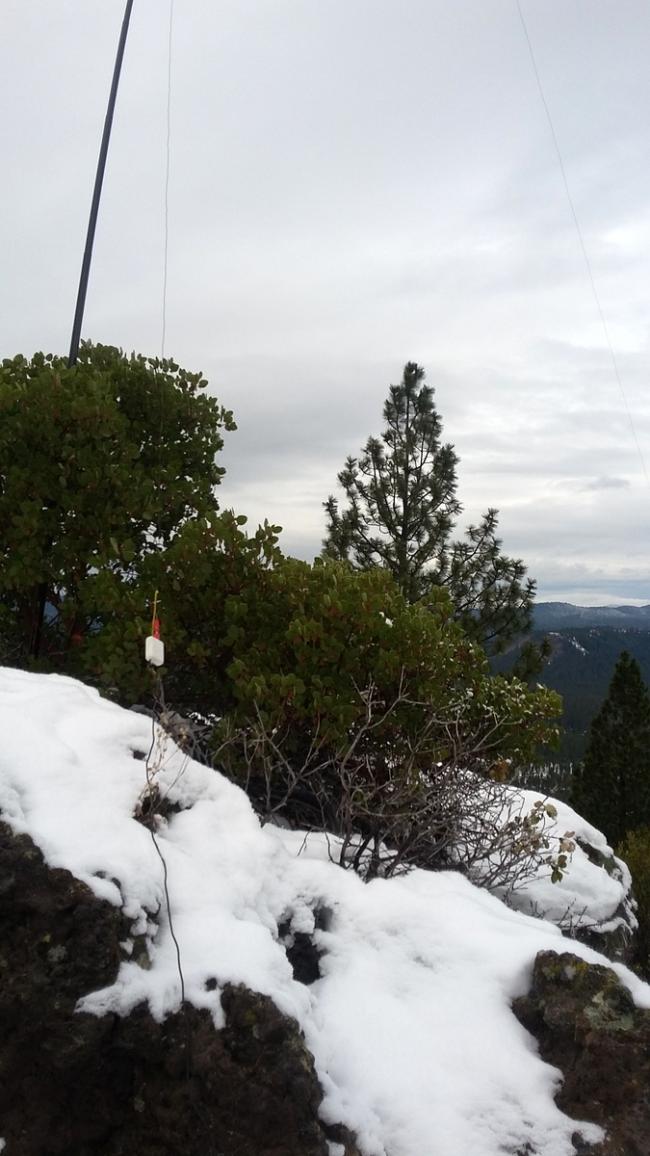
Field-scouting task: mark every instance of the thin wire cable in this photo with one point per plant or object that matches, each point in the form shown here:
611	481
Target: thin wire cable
583	247
150	770
151	816
167	169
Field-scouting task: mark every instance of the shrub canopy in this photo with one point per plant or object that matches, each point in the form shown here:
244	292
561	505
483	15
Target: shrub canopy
100	464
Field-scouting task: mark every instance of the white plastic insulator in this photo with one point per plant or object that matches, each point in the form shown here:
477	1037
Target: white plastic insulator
154	651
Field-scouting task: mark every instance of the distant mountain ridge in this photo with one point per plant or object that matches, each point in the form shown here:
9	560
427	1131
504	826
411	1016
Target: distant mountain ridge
564	616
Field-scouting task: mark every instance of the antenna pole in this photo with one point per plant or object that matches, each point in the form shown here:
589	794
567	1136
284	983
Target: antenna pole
97	191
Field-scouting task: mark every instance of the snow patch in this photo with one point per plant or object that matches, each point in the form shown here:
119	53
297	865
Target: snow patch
410	1023
574	642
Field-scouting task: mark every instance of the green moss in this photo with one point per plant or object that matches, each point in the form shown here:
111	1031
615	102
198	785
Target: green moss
250	1018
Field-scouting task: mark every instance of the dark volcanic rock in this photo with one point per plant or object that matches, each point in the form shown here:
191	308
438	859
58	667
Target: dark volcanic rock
77	1085
587	1025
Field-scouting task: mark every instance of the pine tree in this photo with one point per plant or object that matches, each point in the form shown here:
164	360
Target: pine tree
612	785
401	512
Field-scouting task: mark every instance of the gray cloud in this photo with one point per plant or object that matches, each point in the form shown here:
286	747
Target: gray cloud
608	483
354	186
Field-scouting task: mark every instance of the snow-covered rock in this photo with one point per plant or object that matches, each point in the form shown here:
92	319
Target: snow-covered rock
410	1023
593	900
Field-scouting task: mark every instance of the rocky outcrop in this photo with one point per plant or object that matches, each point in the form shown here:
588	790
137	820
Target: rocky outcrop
73	1084
587	1025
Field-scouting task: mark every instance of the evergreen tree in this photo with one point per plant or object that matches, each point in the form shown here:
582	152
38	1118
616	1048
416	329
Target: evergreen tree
612	785
401	513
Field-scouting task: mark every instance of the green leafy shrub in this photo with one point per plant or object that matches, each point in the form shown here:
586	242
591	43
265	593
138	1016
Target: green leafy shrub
209	562
309	638
100	464
365	715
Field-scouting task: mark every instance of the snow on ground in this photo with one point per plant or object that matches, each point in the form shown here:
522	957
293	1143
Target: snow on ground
410	1025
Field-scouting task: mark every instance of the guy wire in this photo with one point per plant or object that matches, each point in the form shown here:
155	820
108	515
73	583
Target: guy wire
581	240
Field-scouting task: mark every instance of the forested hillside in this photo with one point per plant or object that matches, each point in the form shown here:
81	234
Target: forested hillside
580	668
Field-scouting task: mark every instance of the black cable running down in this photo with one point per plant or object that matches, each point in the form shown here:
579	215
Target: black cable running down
97	191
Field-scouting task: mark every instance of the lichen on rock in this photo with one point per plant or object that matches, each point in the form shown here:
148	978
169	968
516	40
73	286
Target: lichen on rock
587	1025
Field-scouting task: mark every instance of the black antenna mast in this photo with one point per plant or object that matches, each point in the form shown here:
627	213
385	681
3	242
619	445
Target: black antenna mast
97	191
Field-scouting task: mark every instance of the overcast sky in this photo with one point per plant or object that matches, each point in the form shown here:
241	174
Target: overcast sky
355	184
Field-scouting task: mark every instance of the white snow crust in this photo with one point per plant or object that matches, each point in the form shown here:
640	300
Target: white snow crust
414	1040
587	896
